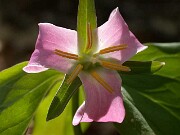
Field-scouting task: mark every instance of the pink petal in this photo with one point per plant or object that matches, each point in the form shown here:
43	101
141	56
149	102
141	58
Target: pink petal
50	38
34	68
101	105
79	114
116	32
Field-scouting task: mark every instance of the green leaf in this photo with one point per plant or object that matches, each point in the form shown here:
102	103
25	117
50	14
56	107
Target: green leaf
155	98
62	97
20	96
143	67
86	14
158	52
62	125
167	47
134	123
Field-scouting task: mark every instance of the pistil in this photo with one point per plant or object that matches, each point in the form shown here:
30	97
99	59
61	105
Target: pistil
66	54
75	73
101	81
113	49
114	66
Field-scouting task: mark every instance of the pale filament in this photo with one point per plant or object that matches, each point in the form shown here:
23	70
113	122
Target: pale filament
75	73
66	54
101	81
89	36
113	49
114	66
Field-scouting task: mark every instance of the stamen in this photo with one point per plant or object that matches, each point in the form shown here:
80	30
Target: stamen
89	34
66	54
113	48
114	66
101	81
75	73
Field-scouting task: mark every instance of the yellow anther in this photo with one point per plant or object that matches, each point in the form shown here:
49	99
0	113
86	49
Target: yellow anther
89	36
75	73
113	49
114	66
66	54
101	81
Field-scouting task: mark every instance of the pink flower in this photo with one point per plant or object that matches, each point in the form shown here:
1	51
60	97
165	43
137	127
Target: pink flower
57	48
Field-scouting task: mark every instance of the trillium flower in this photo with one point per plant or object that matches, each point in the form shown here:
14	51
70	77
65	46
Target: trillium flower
108	47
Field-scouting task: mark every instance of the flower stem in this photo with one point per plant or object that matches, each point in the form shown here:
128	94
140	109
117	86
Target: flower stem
75	105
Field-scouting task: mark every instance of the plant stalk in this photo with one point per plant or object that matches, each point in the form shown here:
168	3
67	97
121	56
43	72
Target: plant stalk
75	105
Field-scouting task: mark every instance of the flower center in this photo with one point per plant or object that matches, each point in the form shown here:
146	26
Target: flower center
89	62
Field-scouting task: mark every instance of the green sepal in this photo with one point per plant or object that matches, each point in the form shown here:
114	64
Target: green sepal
64	94
143	67
86	14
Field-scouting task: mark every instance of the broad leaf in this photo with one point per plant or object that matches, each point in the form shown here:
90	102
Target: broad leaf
134	123
20	96
160	52
62	97
60	126
154	97
86	14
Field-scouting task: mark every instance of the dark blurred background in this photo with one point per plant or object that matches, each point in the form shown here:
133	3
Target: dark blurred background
149	20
